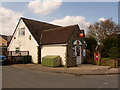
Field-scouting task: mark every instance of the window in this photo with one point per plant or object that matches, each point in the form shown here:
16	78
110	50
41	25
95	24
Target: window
84	52
3	44
22	31
76	51
17	49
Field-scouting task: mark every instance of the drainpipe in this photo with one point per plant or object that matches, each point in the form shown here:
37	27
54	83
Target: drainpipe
66	55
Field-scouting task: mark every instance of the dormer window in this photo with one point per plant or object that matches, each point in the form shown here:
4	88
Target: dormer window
21	31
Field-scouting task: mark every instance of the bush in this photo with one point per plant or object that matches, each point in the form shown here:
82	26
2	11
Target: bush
112	41
114	52
105	58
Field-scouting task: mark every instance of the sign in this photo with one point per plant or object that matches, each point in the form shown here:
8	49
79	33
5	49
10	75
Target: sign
77	42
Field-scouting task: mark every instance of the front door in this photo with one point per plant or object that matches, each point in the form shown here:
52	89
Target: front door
78	54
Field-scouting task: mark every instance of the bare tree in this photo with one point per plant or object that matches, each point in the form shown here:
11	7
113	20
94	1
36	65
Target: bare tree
102	29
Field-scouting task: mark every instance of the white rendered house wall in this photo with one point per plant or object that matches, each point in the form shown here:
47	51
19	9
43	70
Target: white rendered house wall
54	50
24	43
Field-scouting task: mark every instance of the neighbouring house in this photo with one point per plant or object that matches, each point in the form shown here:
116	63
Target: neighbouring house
4	42
42	39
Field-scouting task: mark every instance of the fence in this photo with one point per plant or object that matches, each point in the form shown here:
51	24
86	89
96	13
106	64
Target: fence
21	57
20	53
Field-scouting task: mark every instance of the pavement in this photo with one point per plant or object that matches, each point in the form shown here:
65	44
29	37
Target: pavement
83	69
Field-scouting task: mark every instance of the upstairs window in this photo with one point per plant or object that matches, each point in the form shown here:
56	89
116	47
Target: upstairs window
21	31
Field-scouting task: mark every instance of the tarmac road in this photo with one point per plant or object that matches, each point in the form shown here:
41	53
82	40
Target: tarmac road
21	78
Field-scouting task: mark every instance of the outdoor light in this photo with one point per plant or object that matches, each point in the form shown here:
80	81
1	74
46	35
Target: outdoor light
29	37
81	34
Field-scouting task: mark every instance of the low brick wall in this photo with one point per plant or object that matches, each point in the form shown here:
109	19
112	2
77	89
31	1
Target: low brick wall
105	62
115	63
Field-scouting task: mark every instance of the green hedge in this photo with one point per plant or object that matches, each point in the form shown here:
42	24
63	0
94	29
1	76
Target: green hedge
105	58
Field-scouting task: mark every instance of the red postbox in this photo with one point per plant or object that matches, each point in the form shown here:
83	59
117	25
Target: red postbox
97	57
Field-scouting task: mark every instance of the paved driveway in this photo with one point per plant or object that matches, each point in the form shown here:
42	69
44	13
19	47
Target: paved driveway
20	78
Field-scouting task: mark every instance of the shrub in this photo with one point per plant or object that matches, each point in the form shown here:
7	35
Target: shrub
108	43
114	52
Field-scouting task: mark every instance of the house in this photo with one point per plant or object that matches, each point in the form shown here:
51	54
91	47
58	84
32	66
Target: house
26	37
66	42
42	39
4	41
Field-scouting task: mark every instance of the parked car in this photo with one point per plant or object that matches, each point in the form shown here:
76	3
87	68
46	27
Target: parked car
3	60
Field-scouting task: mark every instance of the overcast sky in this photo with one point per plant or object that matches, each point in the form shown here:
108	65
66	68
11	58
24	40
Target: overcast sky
59	13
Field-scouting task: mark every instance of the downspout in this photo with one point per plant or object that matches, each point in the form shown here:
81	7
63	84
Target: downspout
40	45
66	55
38	53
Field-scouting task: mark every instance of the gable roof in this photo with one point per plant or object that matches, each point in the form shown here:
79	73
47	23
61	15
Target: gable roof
9	38
4	37
36	27
57	35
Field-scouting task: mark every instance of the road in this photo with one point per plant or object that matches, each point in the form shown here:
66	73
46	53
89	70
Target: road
20	78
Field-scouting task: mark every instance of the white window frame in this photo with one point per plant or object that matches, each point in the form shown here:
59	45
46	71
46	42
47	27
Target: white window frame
22	31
